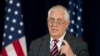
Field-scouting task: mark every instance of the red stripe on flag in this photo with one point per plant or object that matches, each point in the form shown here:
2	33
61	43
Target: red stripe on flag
4	53
18	48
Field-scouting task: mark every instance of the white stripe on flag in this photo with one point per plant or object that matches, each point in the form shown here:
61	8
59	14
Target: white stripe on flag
10	50
22	41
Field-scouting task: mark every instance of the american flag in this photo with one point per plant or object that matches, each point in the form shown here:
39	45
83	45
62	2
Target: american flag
75	10
14	42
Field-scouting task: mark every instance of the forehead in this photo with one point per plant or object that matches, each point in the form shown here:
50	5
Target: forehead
57	14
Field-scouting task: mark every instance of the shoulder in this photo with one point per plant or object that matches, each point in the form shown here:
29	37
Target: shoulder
39	40
35	45
76	40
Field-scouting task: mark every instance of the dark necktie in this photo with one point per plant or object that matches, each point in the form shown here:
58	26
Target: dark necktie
54	51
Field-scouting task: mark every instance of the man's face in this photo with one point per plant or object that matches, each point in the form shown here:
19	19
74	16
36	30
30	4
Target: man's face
57	23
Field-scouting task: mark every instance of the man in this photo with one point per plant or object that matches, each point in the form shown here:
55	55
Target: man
58	42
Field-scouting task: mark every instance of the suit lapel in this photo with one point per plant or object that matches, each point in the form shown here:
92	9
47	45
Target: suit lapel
67	37
45	48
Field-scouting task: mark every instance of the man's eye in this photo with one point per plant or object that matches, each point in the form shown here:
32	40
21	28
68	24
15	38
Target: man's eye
59	20
51	19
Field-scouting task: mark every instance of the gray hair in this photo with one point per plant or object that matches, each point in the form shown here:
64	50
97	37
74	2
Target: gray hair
59	7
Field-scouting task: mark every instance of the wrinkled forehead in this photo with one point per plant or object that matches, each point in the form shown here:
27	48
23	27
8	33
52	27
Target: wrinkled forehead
57	13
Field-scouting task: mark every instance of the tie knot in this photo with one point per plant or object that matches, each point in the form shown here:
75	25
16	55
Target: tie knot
55	41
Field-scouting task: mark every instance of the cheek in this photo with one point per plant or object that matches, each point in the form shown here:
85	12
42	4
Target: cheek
63	28
49	27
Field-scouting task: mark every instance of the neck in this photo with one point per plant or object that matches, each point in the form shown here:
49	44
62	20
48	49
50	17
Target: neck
56	38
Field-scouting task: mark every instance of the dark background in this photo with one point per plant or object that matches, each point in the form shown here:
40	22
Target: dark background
35	14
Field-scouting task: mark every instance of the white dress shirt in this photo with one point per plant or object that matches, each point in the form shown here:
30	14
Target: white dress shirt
59	42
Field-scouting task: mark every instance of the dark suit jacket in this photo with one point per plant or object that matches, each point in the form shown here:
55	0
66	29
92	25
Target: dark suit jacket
41	46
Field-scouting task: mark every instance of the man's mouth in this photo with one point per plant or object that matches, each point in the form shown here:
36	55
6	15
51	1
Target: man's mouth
54	30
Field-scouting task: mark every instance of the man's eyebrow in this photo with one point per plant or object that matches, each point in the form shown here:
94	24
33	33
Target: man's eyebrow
58	18
54	18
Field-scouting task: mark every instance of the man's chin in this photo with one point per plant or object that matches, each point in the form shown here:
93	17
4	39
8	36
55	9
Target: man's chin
54	35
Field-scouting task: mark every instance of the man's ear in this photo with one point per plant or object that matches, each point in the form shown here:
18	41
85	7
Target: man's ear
67	23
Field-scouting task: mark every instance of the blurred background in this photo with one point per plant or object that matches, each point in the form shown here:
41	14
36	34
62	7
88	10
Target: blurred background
35	24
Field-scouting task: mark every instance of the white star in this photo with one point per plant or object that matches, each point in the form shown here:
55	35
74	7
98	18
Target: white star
9	9
73	13
19	31
7	18
79	18
71	30
70	2
77	7
4	35
12	28
10	37
3	43
18	4
82	29
16	12
77	26
11	2
5	26
72	21
21	23
22	15
74	4
14	20
80	9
